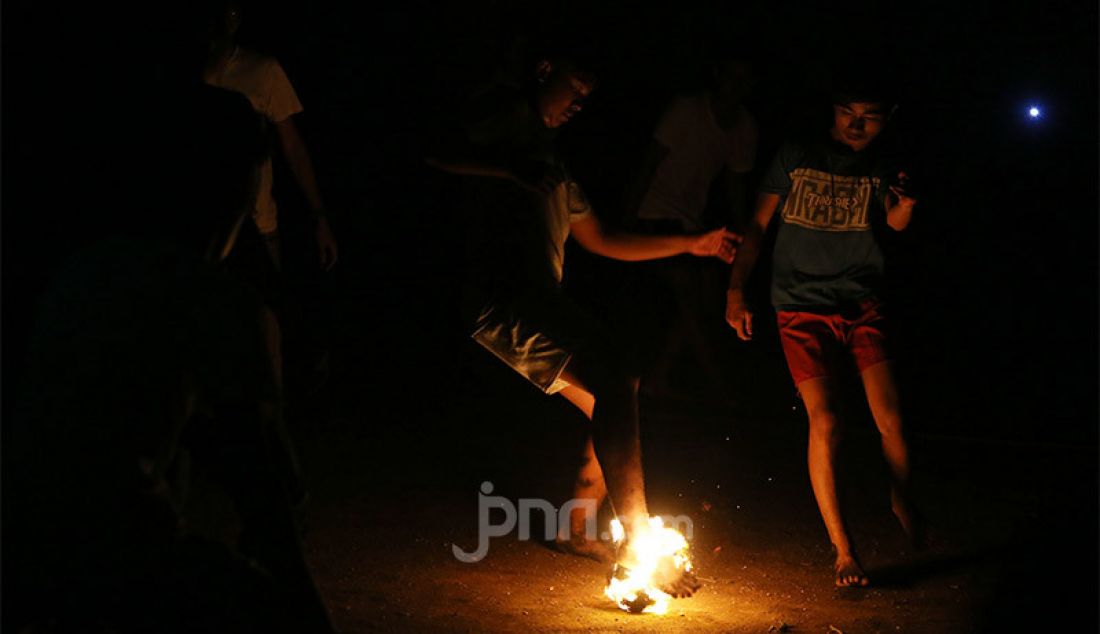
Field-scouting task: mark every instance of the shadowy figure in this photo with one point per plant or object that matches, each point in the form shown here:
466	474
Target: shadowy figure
146	357
261	79
259	256
522	207
835	193
702	139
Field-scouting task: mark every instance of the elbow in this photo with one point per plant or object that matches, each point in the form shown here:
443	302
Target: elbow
597	243
753	236
601	248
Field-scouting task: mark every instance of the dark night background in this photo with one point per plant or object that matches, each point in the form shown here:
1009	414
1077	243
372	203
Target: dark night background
995	282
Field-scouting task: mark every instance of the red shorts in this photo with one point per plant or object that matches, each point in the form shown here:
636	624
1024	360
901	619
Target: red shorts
815	343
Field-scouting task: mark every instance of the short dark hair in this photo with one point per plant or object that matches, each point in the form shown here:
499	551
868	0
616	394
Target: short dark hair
574	50
866	84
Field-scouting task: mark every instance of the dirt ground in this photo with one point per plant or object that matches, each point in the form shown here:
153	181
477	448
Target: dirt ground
1014	526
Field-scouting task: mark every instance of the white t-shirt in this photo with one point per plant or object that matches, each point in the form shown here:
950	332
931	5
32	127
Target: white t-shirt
697	150
261	79
565	205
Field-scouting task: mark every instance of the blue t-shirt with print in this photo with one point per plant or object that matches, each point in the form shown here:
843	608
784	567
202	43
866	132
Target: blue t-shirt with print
831	197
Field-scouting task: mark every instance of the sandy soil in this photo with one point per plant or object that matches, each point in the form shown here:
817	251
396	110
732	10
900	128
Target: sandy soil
391	500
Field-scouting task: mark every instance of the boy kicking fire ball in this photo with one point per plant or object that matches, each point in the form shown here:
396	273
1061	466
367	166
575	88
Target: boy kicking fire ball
521	206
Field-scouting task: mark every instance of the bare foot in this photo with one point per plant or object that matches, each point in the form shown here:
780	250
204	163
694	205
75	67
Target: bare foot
673	581
578	546
677	583
849	573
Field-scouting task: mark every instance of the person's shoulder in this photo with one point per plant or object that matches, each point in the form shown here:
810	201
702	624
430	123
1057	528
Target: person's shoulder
682	110
495	105
885	163
793	151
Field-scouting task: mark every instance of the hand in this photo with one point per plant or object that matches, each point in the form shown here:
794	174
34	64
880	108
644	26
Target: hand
901	193
537	176
327	251
737	314
720	243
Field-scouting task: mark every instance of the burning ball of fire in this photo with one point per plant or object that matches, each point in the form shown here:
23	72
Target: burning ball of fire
655	557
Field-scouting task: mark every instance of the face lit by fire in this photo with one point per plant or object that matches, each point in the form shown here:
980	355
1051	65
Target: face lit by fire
561	92
655	554
856	124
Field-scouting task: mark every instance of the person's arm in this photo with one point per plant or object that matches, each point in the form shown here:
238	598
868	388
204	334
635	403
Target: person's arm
301	166
899	204
469	160
737	313
591	234
469	144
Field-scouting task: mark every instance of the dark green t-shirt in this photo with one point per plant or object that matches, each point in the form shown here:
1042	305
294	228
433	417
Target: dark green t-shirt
826	255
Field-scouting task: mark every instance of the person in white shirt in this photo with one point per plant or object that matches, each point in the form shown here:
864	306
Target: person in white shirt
262	80
701	139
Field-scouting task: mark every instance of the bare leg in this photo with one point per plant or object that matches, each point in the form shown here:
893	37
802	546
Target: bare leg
616	444
824	438
882	397
614	436
589	484
618	449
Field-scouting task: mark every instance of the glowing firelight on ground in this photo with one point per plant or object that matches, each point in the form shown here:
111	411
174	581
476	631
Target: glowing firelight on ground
657	552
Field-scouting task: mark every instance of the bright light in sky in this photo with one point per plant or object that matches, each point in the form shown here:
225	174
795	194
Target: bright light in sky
1034	112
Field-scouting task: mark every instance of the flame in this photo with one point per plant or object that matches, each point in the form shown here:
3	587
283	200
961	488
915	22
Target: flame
654	551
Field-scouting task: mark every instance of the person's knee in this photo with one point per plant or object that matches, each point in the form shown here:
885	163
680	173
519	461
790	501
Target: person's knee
817	399
889	425
824	423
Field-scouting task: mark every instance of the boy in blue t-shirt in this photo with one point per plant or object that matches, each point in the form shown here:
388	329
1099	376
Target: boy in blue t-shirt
826	280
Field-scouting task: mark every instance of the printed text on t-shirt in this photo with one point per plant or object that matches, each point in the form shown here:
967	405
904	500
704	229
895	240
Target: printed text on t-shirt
829	202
